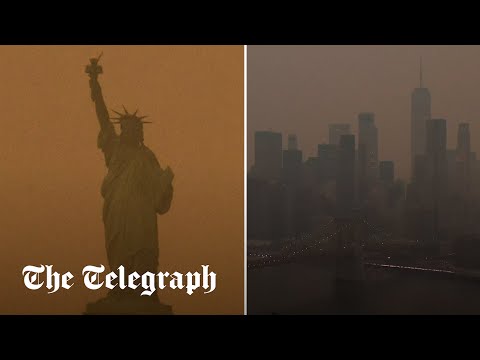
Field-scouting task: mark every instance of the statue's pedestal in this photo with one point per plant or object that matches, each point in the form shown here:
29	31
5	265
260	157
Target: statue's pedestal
128	305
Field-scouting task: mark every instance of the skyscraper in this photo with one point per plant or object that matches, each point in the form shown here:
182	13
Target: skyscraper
387	172
337	130
437	170
292	177
367	154
268	155
452	169
463	141
345	189
463	157
327	161
292	142
464	163
292	161
420	113
368	145
436	152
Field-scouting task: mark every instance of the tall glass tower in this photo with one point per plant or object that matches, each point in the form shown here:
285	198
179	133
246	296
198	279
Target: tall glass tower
420	113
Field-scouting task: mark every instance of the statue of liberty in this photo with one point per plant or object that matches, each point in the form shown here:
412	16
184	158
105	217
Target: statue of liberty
134	190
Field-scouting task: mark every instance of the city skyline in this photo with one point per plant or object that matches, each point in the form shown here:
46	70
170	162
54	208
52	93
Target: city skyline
385	209
323	91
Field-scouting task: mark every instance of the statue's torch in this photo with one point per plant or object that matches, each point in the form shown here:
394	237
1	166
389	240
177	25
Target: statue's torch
93	69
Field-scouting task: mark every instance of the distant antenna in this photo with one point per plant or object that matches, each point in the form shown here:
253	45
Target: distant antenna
421	73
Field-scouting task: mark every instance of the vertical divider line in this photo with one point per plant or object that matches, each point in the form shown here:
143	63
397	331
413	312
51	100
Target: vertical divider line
245	179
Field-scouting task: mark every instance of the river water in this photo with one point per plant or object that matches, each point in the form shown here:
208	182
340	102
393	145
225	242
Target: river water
305	288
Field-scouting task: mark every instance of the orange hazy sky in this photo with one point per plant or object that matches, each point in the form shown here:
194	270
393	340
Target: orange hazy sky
51	169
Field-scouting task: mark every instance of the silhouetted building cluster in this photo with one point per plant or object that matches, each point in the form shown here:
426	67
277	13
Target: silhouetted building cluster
296	196
268	155
440	200
289	195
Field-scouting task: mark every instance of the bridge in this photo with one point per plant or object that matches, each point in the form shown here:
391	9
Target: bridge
347	246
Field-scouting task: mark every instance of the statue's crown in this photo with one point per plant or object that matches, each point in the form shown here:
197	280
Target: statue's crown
128	117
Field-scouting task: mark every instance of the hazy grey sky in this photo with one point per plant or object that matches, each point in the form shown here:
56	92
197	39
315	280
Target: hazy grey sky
301	89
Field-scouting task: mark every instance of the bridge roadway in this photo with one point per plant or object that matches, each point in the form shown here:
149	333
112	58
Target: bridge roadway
320	258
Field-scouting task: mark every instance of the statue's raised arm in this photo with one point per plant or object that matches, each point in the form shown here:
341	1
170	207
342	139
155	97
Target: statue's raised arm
107	137
93	70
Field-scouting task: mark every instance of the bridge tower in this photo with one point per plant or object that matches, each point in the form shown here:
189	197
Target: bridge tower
349	271
350	233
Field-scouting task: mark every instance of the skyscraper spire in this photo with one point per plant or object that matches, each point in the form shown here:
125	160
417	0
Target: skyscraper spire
421	74
420	112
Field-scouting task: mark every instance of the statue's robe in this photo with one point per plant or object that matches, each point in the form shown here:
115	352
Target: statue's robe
135	190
